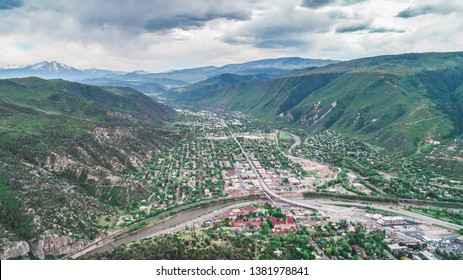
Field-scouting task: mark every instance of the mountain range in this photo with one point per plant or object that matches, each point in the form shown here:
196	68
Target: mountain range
158	82
398	102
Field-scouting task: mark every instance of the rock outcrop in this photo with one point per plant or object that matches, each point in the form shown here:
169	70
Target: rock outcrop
56	245
53	245
15	249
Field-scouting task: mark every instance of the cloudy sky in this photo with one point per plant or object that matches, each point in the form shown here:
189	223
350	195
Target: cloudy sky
159	35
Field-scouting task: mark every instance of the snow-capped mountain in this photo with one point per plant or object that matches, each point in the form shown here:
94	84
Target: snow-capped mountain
46	70
53	67
12	66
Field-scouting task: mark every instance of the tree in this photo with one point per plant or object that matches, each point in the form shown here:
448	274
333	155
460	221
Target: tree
265	228
343	224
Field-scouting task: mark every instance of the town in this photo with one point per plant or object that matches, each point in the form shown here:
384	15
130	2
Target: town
340	211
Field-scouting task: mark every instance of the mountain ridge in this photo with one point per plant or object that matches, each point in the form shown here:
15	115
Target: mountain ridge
394	101
170	79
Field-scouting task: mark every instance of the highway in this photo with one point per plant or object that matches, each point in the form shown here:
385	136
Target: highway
323	204
386	207
120	237
264	186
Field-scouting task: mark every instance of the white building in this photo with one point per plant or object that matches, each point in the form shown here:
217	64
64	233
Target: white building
397	220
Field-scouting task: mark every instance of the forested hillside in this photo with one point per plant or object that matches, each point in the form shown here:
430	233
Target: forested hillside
64	150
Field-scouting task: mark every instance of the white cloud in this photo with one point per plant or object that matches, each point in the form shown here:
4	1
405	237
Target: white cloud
161	35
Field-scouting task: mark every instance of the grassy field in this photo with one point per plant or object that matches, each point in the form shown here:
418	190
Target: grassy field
452	216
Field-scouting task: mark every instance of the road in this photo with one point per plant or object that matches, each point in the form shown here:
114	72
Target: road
110	241
264	186
382	206
191	218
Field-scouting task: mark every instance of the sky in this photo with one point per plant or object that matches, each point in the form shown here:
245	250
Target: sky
160	35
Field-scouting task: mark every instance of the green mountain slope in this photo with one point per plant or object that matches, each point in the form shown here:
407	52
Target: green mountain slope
203	90
64	149
398	102
396	105
79	100
263	98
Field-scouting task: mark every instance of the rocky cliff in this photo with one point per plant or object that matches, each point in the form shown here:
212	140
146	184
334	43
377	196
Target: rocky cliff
53	245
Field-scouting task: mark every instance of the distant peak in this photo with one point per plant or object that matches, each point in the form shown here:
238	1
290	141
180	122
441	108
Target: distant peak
53	66
140	72
12	66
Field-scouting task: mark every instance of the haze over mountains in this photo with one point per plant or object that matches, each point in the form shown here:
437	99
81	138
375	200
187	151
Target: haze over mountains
159	82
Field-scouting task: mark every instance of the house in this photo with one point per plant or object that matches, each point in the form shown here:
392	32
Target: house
360	251
236	212
127	217
293	181
395	248
246	223
278	253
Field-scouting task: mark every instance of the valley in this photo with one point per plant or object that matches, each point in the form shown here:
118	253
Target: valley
244	169
343	158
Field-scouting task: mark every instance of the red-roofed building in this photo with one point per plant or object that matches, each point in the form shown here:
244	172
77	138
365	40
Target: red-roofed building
236	212
243	223
283	225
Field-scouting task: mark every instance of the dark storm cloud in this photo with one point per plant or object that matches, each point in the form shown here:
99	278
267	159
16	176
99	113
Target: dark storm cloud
190	21
419	10
285	27
140	34
385	30
133	17
352	28
279	43
315	4
10	4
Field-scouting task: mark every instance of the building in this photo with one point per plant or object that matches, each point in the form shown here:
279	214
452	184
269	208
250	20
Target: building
278	253
427	256
374	217
387	221
360	251
395	248
293	181
246	223
251	175
283	225
236	212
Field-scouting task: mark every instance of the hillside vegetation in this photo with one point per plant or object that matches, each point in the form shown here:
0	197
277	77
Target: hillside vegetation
399	102
64	147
